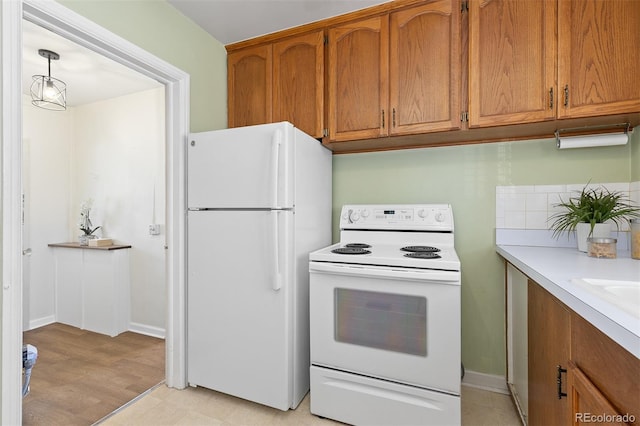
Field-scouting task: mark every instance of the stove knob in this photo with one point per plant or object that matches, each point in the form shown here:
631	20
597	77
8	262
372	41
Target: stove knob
422	213
440	217
354	217
364	213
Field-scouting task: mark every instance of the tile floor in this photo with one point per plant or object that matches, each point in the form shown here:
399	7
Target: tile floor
199	406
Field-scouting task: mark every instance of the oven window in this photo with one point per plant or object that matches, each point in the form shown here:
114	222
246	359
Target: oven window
393	322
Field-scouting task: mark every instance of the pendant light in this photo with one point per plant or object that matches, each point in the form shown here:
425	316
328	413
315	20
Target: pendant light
48	92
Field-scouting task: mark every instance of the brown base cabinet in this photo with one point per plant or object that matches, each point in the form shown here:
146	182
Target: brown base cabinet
612	374
576	374
589	405
549	335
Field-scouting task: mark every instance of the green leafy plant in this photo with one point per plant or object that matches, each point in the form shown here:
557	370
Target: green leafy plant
593	205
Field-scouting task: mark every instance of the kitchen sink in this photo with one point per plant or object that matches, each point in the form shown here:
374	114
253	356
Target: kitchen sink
623	294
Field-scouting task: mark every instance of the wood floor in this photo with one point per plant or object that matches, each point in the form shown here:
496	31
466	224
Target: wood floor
80	376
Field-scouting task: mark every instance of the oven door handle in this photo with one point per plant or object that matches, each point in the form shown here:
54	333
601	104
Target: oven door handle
431	275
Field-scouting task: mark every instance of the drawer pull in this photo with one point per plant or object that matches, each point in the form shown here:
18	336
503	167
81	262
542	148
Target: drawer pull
559	381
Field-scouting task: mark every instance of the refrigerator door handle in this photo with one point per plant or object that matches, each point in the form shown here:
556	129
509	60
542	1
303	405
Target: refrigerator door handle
275	165
277	278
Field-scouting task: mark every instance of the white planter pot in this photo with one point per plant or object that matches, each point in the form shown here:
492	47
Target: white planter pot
601	230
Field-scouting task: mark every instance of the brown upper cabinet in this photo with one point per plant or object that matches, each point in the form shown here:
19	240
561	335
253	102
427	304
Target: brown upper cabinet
599	64
512	65
249	86
394	74
298	82
522	70
424	68
358	79
282	81
412	73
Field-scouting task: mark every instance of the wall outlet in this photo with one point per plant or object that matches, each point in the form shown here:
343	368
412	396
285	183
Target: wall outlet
154	229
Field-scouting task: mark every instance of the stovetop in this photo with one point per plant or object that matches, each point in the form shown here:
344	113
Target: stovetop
380	254
408	236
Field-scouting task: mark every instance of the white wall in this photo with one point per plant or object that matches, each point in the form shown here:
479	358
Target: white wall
116	157
47	158
119	161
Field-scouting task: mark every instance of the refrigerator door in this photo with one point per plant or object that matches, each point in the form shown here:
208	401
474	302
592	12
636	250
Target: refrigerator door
243	167
239	304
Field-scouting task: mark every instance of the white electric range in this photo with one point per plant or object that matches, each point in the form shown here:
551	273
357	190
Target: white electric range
385	318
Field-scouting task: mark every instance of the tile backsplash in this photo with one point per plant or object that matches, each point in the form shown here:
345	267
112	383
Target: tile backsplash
530	206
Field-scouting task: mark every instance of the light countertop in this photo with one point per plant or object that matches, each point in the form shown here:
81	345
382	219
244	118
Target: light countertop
554	269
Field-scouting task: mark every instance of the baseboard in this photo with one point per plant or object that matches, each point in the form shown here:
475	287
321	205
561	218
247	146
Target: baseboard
484	381
41	322
147	330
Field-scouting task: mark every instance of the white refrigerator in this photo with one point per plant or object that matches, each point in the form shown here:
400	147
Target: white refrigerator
259	200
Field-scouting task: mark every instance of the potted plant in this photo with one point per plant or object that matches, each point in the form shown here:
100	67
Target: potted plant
587	213
85	224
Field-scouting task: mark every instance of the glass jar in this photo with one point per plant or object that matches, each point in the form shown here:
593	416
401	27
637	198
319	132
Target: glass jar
604	248
635	238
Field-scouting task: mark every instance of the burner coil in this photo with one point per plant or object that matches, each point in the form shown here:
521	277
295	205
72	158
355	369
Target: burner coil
350	250
420	249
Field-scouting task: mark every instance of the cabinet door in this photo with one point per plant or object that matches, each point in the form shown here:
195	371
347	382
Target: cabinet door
549	334
587	401
298	82
512	62
595	353
69	273
358	79
598	45
424	68
249	85
517	349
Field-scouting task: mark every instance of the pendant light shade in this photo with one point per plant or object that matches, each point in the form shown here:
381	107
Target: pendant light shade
48	92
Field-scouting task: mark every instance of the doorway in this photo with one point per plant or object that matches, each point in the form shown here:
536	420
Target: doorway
55	17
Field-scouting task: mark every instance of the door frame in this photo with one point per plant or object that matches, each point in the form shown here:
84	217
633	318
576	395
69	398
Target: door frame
55	17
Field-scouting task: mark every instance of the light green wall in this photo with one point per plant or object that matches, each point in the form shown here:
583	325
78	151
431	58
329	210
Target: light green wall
157	27
466	177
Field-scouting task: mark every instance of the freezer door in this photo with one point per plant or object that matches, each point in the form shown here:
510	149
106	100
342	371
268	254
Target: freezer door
244	167
239	315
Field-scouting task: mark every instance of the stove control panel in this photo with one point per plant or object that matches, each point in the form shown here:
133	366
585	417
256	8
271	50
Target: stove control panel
410	217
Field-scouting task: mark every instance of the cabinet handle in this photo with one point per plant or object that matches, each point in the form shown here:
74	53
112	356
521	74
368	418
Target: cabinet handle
383	119
559	381
394	117
551	98
566	95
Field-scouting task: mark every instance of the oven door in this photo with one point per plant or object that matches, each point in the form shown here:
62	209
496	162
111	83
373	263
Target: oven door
396	324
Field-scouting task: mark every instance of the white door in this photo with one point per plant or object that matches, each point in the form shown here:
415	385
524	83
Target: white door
238	312
244	167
